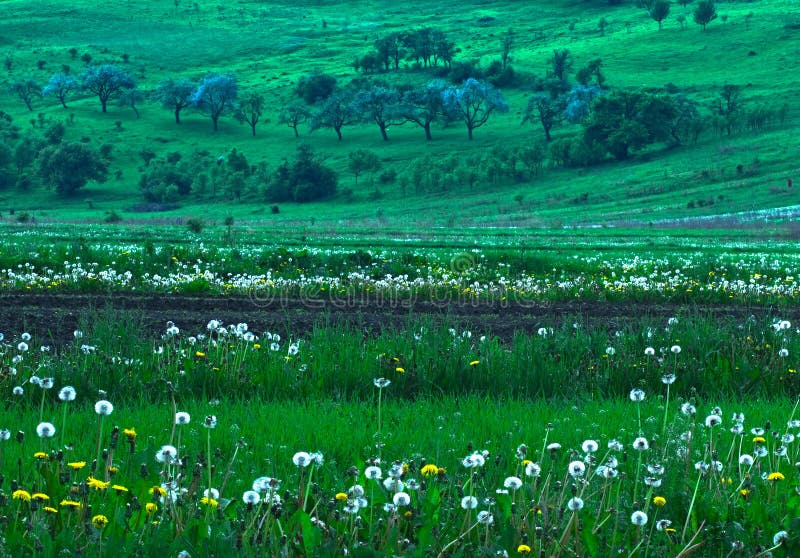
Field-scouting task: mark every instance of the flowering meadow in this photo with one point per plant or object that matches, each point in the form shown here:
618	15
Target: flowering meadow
643	436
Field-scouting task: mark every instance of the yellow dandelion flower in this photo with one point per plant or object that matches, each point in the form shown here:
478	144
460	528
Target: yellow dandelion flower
113	471
341	496
256	346
200	354
670	530
430	470
76	465
72	504
40	496
97	484
526	462
99	521
40	455
400	370
119	488
206	501
408	515
157	491
776	476
474	362
744	493
524	549
759	440
130	433
151	507
48	509
659	501
23	495
441	471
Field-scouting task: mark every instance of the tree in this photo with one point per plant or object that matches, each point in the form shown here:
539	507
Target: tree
506	42
704	13
379	104
473	102
361	161
729	106
107	81
562	63
335	112
129	98
548	110
579	102
175	95
660	11
26	91
305	179
687	123
69	166
591	70
293	115
625	121
60	86
423	105
250	110
315	87
390	50
216	94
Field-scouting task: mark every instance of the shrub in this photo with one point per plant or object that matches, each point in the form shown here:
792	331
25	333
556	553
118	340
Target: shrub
195	224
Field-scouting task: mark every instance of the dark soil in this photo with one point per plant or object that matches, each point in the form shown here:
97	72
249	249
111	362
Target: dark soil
55	316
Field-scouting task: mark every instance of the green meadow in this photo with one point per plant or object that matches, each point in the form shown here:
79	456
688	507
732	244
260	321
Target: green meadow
254	342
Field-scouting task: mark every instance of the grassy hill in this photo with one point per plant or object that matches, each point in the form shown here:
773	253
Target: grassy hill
270	45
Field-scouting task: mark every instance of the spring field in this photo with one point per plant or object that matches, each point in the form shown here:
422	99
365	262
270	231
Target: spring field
458	355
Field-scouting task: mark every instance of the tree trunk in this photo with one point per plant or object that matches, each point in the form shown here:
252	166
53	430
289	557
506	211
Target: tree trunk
253	127
63	102
296	133
427	127
383	131
177	116
339	132
214	120
469	131
103	103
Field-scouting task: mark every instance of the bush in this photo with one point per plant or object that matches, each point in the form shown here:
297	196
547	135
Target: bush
112	217
195	224
315	87
388	176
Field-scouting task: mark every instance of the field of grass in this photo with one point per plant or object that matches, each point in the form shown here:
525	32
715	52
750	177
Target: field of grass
596	361
270	46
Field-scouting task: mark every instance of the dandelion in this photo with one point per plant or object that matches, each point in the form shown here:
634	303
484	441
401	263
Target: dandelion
675	350
210	421
301	459
474	362
17	390
473	461
589	446
713	420
746	459
533	470
210	502
485	517
639	518
429	470
92	482
636	395
67	393
167	454
45	430
182	418
340	497
783	353
641	444
374	472
611	351
668	379
689	410
659	501
576	468
663	524
512	483
779	538
776	476
381	383
575	504
211	493
76	465
103	407
523	549
71	504
251	497
649	351
401	499
151	507
22	346
469	502
20	494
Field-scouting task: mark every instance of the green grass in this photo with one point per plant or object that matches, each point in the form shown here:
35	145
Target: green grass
649	188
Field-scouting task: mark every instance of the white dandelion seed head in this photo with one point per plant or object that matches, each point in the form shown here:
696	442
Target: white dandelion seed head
393	485
167	454
668	378
576	468
46	383
401	499
473	461
5	434
17	390
485	517
675	349
373	472
713	420
746	459
25	336
611	351
355	491
301	459
783	353
589	446
182	417
649	351
641	444
251	497
688	409
639	518
615	445
67	393
533	470
381	383
780	537
211	493
662	524
513	483
575	504
469	502
45	430
636	395
103	407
